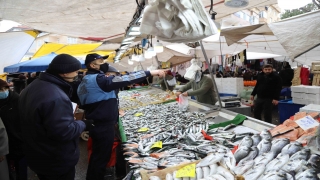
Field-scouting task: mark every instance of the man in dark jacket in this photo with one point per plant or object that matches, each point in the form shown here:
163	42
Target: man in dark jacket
268	89
9	101
98	98
286	75
49	130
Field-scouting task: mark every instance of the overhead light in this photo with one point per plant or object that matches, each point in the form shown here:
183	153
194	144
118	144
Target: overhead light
236	3
158	47
135	57
134	33
147	55
141	57
129	38
152	51
130	62
136	28
126	42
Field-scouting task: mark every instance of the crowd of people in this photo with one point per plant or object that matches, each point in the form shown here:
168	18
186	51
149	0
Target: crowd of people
40	130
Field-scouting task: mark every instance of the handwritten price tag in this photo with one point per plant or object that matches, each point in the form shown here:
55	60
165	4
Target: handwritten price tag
307	122
143	129
187	171
157	144
138	114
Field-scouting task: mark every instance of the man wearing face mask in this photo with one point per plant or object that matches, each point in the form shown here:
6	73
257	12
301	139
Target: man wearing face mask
98	98
268	88
202	88
9	101
49	131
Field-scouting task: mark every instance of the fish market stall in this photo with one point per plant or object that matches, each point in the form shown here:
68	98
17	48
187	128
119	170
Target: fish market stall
165	143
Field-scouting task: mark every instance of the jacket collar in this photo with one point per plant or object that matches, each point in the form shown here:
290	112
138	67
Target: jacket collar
94	71
62	84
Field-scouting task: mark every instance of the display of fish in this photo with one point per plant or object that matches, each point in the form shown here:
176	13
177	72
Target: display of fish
256	138
265	134
291	148
278	144
264	146
277	163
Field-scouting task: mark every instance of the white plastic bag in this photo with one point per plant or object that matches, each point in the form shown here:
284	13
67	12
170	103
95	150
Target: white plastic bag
183	102
192	70
172	82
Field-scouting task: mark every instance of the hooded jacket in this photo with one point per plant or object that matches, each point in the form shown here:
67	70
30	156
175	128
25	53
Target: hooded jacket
49	130
10	116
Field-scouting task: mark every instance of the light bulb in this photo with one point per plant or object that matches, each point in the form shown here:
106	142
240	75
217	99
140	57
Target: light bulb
151	51
130	62
147	54
158	47
141	58
135	57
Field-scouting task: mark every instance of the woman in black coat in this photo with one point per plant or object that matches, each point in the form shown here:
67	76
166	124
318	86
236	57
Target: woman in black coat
10	117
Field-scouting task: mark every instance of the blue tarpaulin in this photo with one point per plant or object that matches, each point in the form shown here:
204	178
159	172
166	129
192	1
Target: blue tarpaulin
35	65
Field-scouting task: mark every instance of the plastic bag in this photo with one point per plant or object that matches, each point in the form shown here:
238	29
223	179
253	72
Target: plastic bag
172	82
183	102
192	70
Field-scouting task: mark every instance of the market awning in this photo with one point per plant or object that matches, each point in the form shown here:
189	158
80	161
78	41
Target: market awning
14	46
35	65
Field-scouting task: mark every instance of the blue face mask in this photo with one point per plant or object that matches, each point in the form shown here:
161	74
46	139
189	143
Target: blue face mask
4	94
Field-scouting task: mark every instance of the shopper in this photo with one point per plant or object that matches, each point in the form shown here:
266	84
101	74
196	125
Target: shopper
9	101
286	75
98	98
267	89
202	88
19	83
49	130
31	78
4	150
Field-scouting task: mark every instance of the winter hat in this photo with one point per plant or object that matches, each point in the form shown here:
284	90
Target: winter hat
3	83
94	56
64	63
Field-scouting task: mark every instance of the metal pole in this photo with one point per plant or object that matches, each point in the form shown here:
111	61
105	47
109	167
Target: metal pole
212	77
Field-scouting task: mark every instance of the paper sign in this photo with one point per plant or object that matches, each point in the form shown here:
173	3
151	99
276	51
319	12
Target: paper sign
138	114
157	144
143	129
307	122
187	171
74	107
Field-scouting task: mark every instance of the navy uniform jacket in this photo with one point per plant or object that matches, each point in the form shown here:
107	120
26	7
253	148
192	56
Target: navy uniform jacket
98	97
49	131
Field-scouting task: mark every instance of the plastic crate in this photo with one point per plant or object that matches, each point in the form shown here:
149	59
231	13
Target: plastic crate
287	109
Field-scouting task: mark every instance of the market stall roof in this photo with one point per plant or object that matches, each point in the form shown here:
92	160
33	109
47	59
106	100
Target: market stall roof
92	18
296	37
35	65
14	46
72	49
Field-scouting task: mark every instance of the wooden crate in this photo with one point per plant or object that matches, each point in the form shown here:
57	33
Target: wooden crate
315	67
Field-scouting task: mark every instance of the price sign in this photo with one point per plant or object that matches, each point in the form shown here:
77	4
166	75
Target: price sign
143	129
307	122
157	144
187	171
138	114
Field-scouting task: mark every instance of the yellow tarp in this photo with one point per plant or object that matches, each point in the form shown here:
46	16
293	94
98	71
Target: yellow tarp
73	49
3	76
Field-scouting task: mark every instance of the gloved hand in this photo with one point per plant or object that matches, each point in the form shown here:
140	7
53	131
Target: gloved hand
89	124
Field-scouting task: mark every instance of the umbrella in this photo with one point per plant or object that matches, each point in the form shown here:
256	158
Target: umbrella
35	65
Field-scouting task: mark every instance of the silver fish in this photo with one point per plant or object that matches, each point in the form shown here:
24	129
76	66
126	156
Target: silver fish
265	134
246	141
210	159
243	167
241	153
274	176
256	139
314	161
294	166
228	161
199	173
291	148
225	173
309	174
264	158
277	163
278	144
206	171
217	177
213	169
254	151
254	172
303	154
264	146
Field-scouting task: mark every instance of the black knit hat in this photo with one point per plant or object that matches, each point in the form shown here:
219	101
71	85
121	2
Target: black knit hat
94	56
64	63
